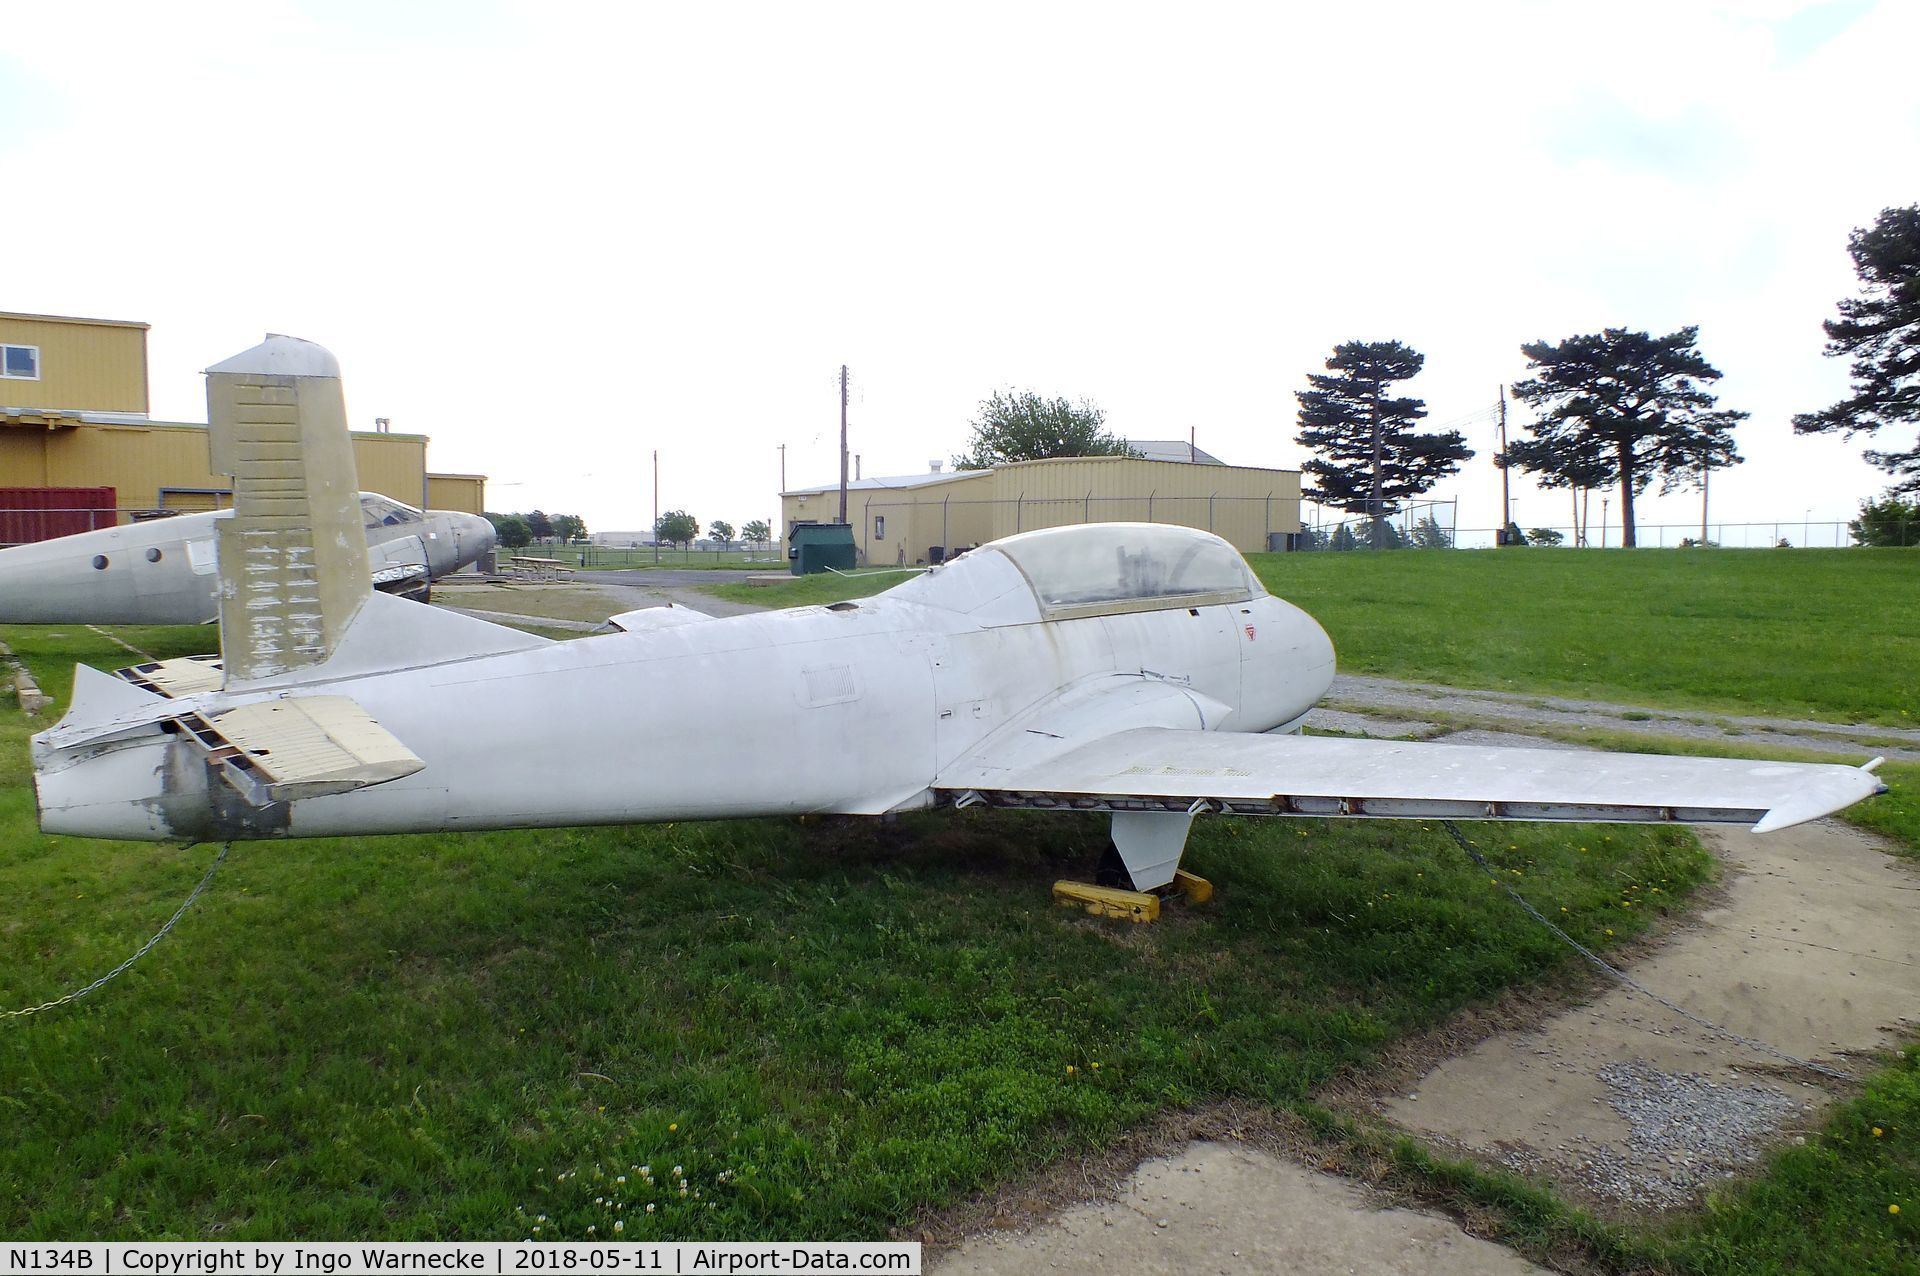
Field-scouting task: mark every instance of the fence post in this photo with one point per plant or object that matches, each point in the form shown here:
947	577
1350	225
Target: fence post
1086	513
1150	504
1210	511
1019	509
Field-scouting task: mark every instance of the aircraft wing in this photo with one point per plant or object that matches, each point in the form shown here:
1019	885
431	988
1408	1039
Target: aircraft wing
1168	769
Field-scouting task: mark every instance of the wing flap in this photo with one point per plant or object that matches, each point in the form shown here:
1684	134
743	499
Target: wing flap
1156	768
181	676
301	747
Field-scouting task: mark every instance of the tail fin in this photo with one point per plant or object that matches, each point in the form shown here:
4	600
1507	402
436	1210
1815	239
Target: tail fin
293	558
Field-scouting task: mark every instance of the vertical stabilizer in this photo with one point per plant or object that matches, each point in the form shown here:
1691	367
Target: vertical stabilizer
293	558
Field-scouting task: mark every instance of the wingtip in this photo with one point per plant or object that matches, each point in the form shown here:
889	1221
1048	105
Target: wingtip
1837	791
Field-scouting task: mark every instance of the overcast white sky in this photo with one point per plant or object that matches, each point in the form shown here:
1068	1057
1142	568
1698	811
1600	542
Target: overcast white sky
556	237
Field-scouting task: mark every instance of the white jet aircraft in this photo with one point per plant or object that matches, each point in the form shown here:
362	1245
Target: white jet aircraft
163	571
1135	669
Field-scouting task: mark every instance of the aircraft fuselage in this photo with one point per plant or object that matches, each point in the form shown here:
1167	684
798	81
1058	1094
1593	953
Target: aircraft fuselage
853	710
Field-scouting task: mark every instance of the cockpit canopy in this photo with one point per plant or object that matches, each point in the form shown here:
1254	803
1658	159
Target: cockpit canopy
1094	569
382	511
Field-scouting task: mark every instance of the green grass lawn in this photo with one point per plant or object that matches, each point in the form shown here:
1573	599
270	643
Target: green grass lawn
1815	633
803	591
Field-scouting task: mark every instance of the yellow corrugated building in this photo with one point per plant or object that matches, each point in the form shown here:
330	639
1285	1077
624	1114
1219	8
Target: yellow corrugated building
73	413
73	365
901	520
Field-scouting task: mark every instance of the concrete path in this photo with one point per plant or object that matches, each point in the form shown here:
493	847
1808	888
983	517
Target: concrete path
1813	948
1220	1207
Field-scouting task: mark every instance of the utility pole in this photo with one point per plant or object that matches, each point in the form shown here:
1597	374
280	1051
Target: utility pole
780	520
843	442
656	507
1705	470
1506	493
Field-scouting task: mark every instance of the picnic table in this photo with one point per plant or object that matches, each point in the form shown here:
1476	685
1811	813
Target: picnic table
527	567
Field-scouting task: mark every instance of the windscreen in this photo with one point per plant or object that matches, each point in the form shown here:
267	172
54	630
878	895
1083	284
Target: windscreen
1127	566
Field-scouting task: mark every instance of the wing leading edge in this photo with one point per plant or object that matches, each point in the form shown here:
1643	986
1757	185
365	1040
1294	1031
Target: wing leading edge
1158	768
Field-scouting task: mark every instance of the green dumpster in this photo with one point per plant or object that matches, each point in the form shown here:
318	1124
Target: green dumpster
818	547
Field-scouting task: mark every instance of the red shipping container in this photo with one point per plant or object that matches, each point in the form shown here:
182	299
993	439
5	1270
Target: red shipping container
42	513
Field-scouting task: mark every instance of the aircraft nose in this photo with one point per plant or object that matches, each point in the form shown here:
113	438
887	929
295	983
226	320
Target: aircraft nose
476	537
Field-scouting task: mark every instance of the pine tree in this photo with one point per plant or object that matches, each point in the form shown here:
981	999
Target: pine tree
1880	329
1372	457
1622	407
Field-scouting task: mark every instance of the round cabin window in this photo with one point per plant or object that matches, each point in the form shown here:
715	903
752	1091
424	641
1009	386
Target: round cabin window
99	562
153	555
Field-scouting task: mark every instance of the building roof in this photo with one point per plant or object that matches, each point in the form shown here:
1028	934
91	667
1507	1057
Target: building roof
100	323
1173	450
893	482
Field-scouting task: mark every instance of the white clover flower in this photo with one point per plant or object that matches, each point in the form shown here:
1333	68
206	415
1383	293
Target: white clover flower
619	1224
649	1207
676	1171
620	1179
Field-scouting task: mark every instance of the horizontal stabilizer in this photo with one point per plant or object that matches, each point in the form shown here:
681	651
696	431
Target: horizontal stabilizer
301	747
1155	768
391	633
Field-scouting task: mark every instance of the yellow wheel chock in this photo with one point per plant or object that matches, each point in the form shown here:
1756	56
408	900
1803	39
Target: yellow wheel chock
1131	906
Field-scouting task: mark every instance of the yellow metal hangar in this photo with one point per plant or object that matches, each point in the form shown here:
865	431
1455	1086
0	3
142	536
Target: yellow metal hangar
74	417
923	518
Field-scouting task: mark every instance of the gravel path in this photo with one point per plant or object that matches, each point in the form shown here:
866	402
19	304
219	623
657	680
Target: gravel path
1404	703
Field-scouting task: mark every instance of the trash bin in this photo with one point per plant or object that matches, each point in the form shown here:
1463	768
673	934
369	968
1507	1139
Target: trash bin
818	547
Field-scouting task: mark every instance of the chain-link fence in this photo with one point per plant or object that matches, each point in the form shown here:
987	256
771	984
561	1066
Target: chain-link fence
1800	533
1408	525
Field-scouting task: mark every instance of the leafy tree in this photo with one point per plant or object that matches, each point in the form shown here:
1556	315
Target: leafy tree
1625	405
511	531
722	531
1545	536
1342	538
539	524
569	527
1021	426
757	532
1881	330
1887	521
1372	457
677	527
